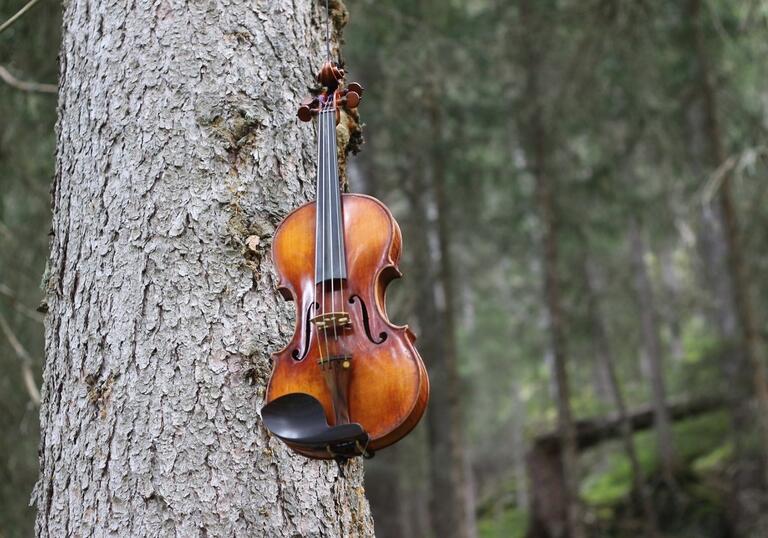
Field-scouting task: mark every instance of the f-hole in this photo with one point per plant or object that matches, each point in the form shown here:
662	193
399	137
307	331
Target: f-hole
364	309
297	353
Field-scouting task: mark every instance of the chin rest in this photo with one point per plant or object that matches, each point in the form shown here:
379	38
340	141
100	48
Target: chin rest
299	419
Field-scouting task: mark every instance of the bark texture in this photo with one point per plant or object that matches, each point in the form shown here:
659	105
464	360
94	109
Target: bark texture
178	154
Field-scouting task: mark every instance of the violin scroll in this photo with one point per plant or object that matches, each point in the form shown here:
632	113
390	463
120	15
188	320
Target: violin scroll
331	77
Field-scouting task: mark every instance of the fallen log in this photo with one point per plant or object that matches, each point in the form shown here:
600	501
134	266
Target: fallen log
547	516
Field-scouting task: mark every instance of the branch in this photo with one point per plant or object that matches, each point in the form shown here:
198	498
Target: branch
26	361
592	431
733	163
18	306
16	17
25	86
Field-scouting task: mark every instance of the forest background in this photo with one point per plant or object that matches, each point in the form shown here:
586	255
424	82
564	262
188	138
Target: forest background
582	191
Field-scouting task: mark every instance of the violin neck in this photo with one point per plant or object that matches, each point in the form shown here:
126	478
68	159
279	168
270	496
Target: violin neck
330	256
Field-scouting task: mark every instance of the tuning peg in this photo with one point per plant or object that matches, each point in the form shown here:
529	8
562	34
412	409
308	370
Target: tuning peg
307	109
357	88
352	99
305	113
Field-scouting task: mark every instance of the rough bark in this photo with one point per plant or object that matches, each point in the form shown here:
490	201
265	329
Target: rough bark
649	327
539	149
176	143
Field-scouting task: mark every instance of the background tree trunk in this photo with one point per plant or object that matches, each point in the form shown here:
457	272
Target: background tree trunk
539	149
465	509
446	505
177	142
651	342
518	440
604	352
738	268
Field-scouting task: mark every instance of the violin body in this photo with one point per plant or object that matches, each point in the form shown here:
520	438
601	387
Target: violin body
364	370
349	382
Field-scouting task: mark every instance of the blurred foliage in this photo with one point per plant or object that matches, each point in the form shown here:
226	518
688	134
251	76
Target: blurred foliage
608	486
28	50
619	100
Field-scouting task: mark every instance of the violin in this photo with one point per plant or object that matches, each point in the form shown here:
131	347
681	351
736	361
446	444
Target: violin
349	382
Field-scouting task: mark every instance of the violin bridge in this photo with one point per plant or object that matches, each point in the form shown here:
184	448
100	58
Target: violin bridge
332	320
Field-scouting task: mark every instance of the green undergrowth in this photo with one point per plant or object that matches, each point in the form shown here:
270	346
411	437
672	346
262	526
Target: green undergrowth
508	523
703	449
699	442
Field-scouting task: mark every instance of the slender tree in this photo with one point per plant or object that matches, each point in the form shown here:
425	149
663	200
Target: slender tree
738	272
538	144
447	310
607	360
178	154
446	505
651	342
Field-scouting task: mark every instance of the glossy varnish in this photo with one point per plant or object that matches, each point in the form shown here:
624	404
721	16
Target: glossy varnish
385	387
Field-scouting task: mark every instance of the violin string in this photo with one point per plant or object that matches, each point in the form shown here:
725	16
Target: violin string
339	231
323	119
331	156
319	258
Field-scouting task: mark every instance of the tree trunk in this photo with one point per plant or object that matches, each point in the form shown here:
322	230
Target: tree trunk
177	142
672	313
737	265
518	448
446	504
518	442
447	309
604	352
538	146
649	326
745	479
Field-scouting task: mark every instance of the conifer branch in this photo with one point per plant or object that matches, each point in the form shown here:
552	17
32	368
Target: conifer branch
25	86
7	24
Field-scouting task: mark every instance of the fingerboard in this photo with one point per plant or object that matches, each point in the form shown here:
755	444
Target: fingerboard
330	255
